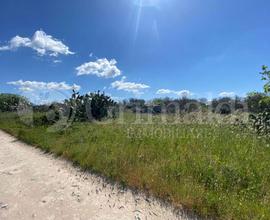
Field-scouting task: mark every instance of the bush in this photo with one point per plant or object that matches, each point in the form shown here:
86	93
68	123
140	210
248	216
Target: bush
261	103
90	106
261	122
11	102
256	102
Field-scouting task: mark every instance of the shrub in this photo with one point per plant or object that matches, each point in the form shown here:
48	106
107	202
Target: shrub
256	102
90	106
261	121
11	102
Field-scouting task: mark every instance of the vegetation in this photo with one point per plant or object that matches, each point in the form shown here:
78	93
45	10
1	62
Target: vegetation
217	170
261	121
255	102
199	154
90	106
11	102
225	105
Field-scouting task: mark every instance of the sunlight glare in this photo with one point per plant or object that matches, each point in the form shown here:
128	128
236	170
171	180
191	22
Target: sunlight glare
147	3
140	5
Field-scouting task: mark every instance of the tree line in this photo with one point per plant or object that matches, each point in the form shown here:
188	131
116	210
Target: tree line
98	105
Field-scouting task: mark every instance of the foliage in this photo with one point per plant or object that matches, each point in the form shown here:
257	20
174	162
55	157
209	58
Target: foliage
217	170
11	102
256	102
89	106
165	105
266	77
261	121
227	105
136	105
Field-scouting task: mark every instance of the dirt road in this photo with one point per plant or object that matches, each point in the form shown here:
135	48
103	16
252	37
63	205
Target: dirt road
34	185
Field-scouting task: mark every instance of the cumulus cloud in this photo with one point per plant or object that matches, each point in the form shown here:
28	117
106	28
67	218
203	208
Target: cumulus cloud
136	88
29	86
101	68
42	43
182	93
227	94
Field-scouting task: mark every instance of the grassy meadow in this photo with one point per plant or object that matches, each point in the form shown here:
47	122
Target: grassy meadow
217	170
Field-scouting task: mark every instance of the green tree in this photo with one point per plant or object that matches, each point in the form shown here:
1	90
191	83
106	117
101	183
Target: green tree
266	77
261	121
90	106
11	102
255	102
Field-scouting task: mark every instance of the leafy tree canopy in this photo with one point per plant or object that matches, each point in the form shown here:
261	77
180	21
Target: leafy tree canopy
11	102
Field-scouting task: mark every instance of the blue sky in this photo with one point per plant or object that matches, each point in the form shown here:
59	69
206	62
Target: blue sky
133	48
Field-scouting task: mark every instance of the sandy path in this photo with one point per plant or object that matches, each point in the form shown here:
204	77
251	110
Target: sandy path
34	185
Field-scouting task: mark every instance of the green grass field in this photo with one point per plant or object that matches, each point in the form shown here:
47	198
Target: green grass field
217	170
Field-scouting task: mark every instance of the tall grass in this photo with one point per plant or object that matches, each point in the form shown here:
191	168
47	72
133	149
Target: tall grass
217	170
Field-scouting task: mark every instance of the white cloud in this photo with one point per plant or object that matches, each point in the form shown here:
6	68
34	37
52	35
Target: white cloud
135	88
164	91
182	93
57	61
29	86
101	68
227	94
42	43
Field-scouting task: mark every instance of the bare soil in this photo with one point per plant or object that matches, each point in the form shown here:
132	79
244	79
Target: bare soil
34	185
